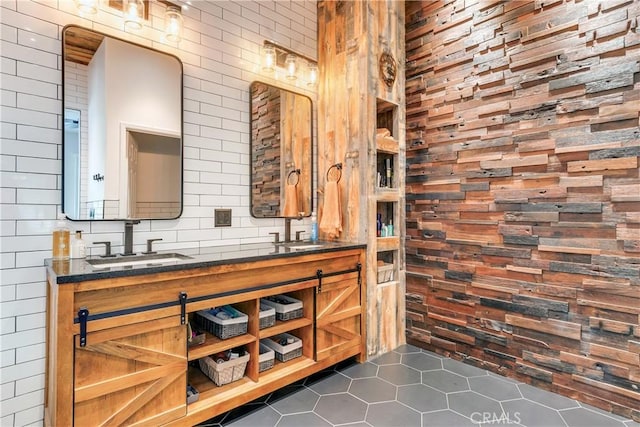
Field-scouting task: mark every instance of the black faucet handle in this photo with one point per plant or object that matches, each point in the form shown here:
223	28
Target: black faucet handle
298	233
150	246
277	235
107	249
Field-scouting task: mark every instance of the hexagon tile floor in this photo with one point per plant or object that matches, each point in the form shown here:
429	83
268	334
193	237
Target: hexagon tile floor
412	387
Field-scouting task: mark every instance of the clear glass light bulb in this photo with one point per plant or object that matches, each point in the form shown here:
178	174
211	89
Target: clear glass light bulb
290	65
173	24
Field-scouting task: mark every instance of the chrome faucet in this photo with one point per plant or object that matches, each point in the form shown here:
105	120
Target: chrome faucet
128	236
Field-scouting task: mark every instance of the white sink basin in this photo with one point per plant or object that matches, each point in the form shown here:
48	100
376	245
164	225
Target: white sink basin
303	247
129	261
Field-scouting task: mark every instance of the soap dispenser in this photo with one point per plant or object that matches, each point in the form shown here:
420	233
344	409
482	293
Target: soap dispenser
78	247
314	227
60	240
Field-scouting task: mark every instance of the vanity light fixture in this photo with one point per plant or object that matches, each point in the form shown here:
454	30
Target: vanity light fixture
173	23
312	74
268	58
291	66
296	66
133	11
88	7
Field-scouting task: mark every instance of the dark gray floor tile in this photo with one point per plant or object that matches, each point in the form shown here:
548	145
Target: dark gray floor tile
422	398
387	359
450	394
421	361
408	348
494	388
341	408
365	370
462	368
336	383
500	422
469	403
488	419
531	414
361	424
392	414
446	418
373	390
399	374
301	401
602	411
318	376
240	412
581	417
547	398
445	381
307	419
264	417
433	354
284	392
503	378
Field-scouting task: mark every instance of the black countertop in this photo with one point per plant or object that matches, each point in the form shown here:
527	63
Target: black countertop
79	270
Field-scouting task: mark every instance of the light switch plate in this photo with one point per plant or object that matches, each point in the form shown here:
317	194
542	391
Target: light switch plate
222	217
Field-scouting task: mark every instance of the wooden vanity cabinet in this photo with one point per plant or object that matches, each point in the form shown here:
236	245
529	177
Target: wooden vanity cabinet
118	352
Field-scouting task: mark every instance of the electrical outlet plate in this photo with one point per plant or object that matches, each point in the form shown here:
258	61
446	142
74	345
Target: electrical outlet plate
222	217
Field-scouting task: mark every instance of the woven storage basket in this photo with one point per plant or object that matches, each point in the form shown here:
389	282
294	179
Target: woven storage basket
225	372
266	357
385	273
291	310
285	352
223	328
267	316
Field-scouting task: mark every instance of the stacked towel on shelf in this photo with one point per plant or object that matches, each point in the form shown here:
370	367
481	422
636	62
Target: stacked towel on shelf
331	221
290	208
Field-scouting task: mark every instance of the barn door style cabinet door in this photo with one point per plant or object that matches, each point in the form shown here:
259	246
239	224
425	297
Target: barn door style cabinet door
338	312
131	374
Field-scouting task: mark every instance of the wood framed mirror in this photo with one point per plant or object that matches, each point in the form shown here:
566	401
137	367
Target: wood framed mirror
281	152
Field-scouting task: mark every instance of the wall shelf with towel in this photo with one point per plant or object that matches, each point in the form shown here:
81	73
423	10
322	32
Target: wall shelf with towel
388	200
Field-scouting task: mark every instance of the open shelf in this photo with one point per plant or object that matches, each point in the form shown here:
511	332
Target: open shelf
388	195
214	345
284	326
210	393
387	145
284	368
388	243
208	389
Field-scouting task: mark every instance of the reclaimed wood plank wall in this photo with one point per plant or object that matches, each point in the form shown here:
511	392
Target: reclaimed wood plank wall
523	192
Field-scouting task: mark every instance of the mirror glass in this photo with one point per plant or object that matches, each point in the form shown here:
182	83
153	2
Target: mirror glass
281	152
122	138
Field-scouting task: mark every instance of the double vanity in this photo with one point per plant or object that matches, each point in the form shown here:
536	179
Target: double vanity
120	347
118	350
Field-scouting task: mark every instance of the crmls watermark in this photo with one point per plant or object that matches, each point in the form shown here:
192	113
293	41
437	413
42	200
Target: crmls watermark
503	418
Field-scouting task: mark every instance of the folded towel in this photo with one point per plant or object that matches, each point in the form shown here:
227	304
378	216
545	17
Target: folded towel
290	208
382	132
331	221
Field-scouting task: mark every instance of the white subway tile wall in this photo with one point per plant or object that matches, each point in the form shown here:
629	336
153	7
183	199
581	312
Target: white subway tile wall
220	53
